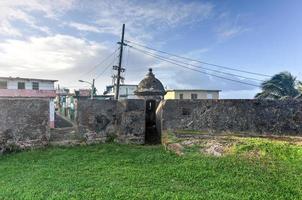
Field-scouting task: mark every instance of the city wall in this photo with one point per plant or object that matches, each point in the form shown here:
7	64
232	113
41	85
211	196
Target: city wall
23	123
109	120
250	117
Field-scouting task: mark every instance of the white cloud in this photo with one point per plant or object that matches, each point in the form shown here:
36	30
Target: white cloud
67	58
7	29
229	32
230	26
19	10
84	27
143	17
46	54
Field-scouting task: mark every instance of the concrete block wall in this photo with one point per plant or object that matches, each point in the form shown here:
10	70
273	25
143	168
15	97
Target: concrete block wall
277	117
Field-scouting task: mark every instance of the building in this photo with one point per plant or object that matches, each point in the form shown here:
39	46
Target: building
126	91
17	87
150	88
26	87
153	91
192	94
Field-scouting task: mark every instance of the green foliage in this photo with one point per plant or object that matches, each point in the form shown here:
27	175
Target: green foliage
111	171
280	86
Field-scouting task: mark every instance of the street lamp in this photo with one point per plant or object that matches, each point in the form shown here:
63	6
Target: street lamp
92	86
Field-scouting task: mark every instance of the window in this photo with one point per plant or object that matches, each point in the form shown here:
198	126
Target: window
35	85
209	96
181	96
193	96
3	84
21	85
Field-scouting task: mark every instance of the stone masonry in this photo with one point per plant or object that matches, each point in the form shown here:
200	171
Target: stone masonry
23	123
107	120
276	117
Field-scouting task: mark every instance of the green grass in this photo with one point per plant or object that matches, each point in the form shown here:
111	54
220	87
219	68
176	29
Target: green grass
192	132
111	171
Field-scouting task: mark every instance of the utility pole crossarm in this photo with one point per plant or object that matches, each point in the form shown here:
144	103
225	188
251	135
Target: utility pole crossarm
119	68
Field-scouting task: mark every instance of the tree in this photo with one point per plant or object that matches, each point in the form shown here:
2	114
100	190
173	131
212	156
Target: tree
280	86
300	90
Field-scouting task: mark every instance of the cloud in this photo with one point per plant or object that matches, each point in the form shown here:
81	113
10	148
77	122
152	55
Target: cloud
84	27
23	11
25	51
7	29
229	26
143	17
176	77
46	54
232	31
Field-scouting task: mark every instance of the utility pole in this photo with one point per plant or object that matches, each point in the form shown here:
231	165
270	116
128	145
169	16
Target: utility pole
92	89
119	67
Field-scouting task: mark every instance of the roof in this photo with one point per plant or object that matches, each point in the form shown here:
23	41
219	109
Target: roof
122	85
192	90
27	79
27	93
150	86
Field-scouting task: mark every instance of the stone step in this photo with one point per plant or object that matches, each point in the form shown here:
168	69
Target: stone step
60	134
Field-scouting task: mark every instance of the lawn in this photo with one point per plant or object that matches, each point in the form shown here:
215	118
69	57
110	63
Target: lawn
111	171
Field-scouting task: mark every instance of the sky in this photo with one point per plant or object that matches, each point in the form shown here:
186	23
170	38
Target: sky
68	40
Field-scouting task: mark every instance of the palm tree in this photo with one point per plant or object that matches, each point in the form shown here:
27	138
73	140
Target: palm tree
280	86
300	90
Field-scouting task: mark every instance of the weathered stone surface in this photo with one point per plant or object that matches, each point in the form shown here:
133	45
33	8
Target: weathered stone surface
122	121
234	116
23	123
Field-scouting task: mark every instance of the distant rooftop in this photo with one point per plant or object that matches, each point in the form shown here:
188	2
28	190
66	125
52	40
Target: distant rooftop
27	79
196	90
122	85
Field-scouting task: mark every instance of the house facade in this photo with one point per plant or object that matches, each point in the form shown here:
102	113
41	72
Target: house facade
192	94
126	91
16	87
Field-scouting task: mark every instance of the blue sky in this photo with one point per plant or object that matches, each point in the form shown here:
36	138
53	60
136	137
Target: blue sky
64	39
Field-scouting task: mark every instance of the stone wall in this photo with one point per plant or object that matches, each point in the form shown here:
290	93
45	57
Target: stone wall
236	116
23	123
107	120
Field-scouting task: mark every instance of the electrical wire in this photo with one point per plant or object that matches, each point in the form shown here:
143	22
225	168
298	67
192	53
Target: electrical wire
105	69
183	66
200	67
98	64
195	60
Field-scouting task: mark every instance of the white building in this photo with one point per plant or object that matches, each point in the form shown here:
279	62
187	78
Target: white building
11	87
192	94
126	91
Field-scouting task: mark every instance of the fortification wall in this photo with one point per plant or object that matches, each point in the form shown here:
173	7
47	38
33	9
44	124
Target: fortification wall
106	120
277	117
23	123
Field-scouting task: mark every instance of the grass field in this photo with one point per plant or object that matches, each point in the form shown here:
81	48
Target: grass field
111	171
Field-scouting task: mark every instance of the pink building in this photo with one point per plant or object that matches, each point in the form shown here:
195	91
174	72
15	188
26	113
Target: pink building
17	87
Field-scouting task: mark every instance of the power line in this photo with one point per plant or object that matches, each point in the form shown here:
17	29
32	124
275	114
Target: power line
217	71
98	64
105	69
183	66
202	62
95	66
